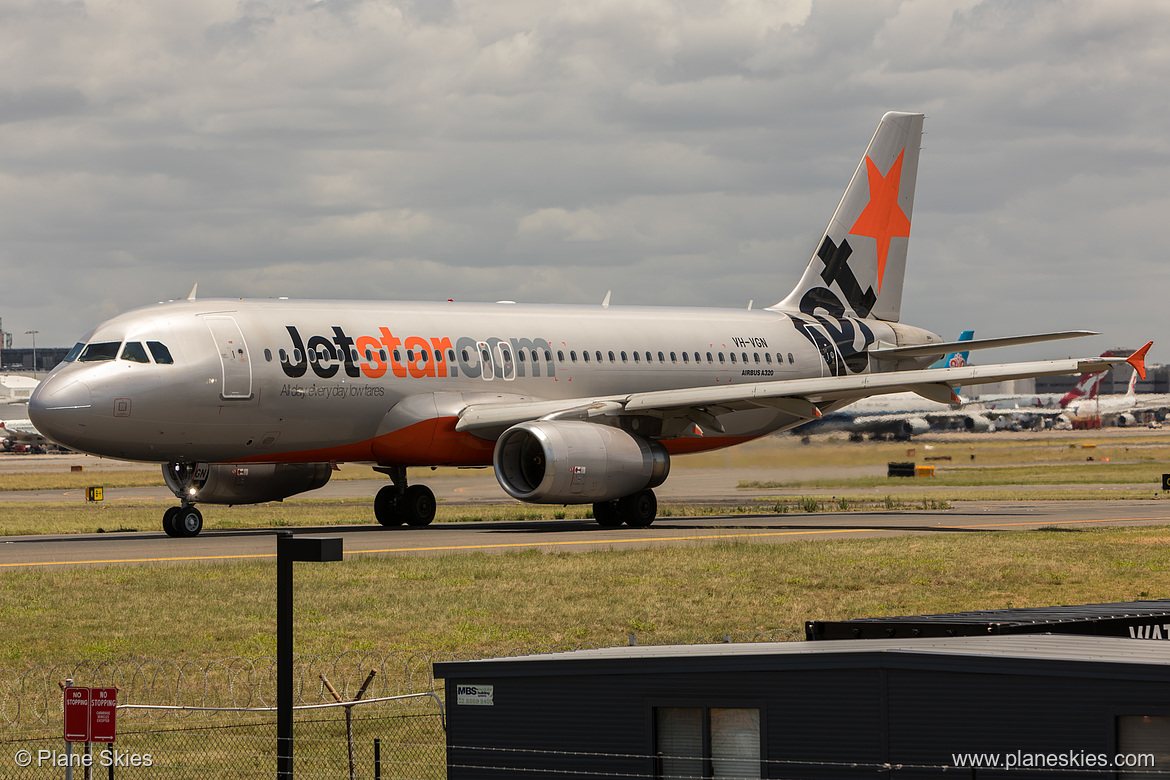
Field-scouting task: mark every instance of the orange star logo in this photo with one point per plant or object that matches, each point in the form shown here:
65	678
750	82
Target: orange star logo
882	218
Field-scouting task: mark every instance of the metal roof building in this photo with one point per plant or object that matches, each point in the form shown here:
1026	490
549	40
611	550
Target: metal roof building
881	708
1149	619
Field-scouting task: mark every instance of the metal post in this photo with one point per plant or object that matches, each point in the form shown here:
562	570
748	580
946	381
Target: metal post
377	759
284	655
289	549
69	745
33	333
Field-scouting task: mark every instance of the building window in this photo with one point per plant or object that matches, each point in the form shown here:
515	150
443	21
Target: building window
707	741
1143	736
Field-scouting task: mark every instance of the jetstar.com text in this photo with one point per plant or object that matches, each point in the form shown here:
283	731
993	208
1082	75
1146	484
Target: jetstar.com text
1068	759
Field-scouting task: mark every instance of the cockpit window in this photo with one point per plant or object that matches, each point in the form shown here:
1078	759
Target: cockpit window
135	352
73	353
162	355
101	350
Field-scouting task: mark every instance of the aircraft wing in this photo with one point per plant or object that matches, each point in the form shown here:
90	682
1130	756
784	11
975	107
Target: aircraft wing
800	397
941	348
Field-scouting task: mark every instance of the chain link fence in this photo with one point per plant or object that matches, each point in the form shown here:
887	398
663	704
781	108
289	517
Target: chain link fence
213	719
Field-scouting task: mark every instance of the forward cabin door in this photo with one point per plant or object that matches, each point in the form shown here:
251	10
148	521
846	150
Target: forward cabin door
233	354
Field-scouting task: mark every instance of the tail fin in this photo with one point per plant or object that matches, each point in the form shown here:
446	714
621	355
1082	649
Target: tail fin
860	262
1086	387
955	359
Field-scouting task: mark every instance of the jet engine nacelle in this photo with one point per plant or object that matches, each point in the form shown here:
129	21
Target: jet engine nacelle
1126	420
914	426
573	462
251	483
977	423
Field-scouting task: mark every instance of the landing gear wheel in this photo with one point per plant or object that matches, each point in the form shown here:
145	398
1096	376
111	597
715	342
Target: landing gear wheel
606	514
638	509
188	521
386	507
417	505
170	518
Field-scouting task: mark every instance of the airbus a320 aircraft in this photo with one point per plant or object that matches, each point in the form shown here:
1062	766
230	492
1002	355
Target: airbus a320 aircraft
247	401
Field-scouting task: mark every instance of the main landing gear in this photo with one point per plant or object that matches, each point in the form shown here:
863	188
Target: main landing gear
183	521
400	504
637	510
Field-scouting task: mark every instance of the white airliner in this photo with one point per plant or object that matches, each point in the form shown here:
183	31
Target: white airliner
247	401
1122	410
18	432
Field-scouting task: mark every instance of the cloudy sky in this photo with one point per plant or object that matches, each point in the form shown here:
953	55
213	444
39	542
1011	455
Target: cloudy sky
538	151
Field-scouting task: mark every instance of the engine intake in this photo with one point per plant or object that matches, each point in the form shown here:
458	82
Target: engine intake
250	483
573	462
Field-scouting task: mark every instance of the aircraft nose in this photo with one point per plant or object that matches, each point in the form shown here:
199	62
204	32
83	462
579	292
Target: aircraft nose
59	409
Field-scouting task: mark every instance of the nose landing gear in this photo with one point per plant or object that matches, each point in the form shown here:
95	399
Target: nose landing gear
183	520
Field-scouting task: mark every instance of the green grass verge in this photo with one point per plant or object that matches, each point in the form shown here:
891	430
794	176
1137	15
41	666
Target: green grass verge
1082	474
492	603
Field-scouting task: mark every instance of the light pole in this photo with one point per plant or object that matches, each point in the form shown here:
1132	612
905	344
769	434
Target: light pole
291	548
33	333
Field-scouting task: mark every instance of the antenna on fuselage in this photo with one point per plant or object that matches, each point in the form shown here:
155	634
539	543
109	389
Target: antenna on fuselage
605	303
191	297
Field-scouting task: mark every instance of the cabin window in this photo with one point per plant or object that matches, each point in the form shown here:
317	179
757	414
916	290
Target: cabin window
410	356
674	358
790	360
612	359
624	358
721	360
162	355
649	359
99	351
597	354
635	357
768	357
756	355
661	359
685	357
709	358
135	352
397	356
519	354
547	356
466	357
560	356
267	355
744	356
584	355
732	357
451	355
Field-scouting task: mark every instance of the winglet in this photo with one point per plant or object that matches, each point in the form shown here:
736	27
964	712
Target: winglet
605	303
1138	359
191	297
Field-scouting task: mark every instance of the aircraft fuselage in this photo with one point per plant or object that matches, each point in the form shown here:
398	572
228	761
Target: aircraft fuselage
311	381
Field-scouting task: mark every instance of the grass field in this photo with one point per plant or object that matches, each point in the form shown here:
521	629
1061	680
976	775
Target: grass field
479	603
524	600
